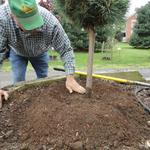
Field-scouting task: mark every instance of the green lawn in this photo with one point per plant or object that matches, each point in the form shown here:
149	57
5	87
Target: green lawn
123	56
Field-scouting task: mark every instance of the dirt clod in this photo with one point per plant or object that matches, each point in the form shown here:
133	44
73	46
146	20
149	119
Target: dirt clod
76	146
24	146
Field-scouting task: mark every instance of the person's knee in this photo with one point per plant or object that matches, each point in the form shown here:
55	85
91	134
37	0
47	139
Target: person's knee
42	74
18	77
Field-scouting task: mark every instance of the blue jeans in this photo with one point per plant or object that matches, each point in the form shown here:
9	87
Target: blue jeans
19	65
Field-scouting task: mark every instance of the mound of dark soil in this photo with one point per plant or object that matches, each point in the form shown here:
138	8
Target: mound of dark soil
49	118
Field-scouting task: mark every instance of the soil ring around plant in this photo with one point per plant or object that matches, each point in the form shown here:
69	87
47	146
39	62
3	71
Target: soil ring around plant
43	115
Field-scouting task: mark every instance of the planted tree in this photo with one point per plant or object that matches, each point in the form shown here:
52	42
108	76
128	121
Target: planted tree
89	14
141	32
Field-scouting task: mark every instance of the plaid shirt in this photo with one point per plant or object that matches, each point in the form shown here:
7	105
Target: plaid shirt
32	44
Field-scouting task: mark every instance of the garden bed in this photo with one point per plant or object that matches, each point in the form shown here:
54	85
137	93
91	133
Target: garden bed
47	117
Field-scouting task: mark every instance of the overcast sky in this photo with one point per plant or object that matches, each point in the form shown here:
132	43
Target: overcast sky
136	4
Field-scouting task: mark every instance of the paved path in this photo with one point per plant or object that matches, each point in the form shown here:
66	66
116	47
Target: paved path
145	73
5	77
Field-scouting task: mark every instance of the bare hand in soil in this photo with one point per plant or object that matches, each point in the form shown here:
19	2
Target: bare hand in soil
3	95
72	85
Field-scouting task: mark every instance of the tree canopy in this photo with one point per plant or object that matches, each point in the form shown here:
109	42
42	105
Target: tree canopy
141	31
91	13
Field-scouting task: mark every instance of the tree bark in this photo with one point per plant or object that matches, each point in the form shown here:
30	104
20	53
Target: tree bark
91	35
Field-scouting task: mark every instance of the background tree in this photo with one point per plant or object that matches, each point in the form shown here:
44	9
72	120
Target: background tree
46	4
119	33
78	36
89	14
141	32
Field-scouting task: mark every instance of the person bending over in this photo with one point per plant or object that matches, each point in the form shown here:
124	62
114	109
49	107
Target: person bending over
30	31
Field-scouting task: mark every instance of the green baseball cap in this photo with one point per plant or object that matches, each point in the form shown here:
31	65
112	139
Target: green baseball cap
27	14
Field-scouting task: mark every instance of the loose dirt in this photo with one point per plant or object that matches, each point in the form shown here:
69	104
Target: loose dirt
49	118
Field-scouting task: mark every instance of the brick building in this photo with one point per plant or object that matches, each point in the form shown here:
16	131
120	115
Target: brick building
129	27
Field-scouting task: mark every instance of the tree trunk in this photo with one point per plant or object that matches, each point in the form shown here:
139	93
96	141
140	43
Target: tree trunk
91	35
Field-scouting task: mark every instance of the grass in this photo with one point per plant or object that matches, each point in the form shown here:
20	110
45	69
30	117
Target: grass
123	56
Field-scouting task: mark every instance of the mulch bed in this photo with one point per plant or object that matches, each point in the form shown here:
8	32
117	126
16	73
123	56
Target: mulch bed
49	118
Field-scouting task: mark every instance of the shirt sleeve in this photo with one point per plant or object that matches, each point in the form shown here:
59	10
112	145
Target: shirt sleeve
61	44
3	40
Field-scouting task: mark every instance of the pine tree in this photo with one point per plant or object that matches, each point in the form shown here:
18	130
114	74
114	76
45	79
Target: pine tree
89	14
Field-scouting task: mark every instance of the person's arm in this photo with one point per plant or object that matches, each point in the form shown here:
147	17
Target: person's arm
61	44
3	39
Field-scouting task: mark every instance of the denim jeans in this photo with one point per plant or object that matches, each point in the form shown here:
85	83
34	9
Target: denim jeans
19	65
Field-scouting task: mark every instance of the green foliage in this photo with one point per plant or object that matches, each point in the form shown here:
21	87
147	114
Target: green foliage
103	34
78	36
91	13
141	32
119	36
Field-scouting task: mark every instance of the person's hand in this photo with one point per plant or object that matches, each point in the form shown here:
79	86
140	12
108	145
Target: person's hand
72	85
3	94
